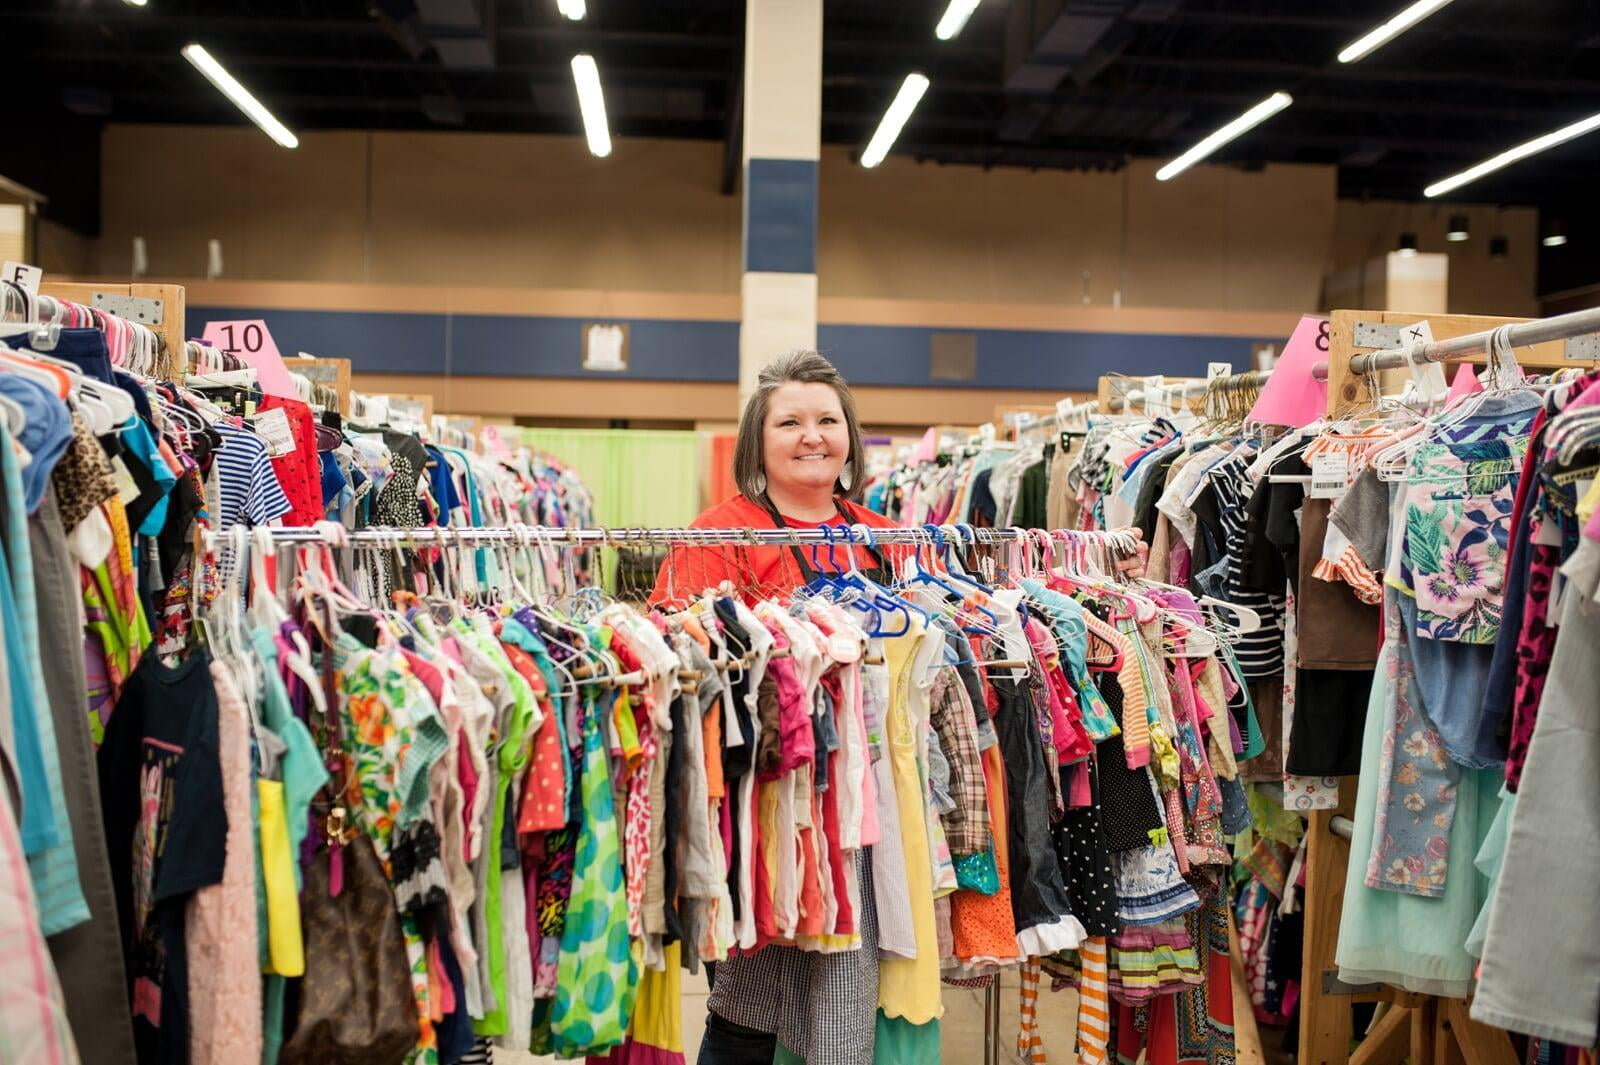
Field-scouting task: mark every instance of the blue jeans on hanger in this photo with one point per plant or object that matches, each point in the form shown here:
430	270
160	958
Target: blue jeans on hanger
726	1043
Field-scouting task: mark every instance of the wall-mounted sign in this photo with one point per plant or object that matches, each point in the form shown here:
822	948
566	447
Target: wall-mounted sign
605	346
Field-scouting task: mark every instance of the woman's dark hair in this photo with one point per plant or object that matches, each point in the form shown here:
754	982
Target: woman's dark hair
798	367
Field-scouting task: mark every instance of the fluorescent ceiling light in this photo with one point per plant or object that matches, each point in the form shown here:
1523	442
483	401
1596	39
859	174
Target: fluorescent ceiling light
137	3
230	87
572	9
1512	155
1387	32
955	17
586	76
894	119
1555	240
1247	121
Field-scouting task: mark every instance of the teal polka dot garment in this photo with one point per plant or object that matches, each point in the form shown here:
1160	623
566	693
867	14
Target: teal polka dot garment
597	974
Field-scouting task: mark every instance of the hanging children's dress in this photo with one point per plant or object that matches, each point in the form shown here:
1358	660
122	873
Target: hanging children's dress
597	962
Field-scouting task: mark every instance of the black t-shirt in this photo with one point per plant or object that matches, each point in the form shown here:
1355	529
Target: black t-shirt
1033	497
166	836
1272	533
983	505
1150	489
184	506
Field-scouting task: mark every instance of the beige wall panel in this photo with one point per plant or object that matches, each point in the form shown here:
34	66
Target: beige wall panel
1280	229
62	250
541	212
1177	238
279	214
908	230
14	232
556	399
1478	284
538	212
1219	237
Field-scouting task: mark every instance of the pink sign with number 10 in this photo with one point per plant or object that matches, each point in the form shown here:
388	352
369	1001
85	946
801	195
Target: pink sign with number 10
250	340
1291	395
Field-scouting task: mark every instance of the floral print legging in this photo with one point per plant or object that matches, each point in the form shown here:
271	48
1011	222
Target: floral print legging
1417	779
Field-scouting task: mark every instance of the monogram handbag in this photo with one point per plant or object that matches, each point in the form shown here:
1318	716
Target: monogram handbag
356	1003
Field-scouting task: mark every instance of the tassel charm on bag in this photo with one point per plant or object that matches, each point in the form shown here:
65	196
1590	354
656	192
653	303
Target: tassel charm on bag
338	834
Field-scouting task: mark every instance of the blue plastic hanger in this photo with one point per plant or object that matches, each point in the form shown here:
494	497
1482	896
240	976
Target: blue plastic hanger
925	575
882	598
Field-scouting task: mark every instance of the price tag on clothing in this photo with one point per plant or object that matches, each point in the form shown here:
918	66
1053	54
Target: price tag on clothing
23	276
127	487
1330	475
273	427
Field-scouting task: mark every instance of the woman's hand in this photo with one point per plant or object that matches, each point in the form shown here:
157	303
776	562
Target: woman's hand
1133	568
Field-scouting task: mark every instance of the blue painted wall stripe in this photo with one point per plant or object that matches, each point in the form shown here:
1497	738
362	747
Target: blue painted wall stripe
484	345
780	216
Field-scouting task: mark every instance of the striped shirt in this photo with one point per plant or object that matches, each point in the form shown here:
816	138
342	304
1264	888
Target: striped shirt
248	488
1260	653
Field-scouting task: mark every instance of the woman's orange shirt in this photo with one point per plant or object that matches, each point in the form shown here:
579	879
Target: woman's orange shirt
762	570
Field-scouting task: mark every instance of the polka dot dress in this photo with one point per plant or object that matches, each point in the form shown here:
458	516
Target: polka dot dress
1129	811
1085	861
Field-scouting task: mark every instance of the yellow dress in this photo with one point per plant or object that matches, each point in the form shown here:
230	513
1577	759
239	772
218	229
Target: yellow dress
908	988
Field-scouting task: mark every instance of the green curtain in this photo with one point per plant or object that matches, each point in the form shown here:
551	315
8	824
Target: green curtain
638	477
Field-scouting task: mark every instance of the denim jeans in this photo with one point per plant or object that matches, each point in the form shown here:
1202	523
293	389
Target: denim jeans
726	1043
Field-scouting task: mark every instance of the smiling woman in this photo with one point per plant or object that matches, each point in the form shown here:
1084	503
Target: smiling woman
797	463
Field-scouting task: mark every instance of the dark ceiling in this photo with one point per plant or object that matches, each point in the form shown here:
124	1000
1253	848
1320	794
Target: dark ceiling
1089	83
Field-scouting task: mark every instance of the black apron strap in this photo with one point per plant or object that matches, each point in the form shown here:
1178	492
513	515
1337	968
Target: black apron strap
807	570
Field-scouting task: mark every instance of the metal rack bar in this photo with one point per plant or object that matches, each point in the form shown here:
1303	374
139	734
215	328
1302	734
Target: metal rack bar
1539	331
1248	379
1054	421
539	535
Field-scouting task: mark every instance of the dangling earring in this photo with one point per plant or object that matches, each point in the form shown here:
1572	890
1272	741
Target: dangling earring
847	476
761	483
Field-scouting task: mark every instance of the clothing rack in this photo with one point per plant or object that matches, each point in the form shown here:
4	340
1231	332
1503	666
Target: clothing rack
1065	412
1522	334
1428	1028
1188	388
823	536
1361	342
542	535
334	373
159	307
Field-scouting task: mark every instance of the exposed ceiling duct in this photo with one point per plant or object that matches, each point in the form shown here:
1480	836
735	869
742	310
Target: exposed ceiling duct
459	34
1052	42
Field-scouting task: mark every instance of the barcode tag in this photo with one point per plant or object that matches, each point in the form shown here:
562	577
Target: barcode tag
1330	475
273	427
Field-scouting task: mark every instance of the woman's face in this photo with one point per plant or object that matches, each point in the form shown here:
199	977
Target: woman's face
805	441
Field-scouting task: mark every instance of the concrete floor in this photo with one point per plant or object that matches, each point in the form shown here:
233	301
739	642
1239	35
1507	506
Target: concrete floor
961	1028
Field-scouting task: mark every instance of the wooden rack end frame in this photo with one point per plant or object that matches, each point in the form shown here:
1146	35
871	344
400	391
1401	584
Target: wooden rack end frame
335	373
1428	1030
1348	391
171	329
